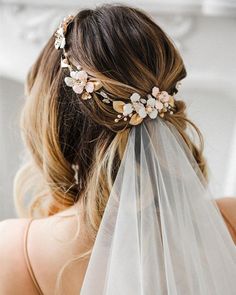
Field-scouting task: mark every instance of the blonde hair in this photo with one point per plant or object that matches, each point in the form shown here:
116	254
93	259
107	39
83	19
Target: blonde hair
127	52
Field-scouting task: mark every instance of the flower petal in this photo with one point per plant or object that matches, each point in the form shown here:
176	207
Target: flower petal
127	109
69	81
135	97
89	87
57	44
118	106
151	102
164	96
142	100
82	75
78	88
63	42
153	114
74	75
60	31
155	91
137	106
78	67
64	63
142	112
159	105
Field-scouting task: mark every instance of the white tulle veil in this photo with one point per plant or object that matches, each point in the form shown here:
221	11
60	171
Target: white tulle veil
162	232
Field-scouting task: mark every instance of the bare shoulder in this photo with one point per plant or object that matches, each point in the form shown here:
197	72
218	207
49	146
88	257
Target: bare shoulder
13	272
227	207
51	243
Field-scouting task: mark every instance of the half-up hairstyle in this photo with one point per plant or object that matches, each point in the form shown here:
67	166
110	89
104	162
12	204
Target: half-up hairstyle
128	52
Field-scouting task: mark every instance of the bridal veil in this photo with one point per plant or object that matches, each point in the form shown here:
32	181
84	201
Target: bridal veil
162	232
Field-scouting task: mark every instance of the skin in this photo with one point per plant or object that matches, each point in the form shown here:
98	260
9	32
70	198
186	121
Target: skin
48	255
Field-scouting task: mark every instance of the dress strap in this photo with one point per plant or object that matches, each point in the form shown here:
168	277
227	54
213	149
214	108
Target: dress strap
27	260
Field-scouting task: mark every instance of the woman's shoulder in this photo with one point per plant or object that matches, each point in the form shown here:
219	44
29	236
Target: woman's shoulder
227	206
51	243
13	271
11	232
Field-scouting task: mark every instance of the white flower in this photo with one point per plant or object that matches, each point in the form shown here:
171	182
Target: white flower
153	114
137	106
155	91
78	80
60	40
150	107
135	97
69	81
159	105
127	109
142	112
151	102
64	63
164	96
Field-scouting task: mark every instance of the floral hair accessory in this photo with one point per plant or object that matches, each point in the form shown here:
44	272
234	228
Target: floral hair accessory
157	103
79	81
60	39
152	105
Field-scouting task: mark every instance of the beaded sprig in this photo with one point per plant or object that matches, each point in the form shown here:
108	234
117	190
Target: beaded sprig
136	109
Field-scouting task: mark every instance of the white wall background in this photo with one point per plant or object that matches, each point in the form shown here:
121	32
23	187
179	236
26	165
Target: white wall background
205	32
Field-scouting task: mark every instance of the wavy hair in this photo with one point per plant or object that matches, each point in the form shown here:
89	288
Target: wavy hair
128	52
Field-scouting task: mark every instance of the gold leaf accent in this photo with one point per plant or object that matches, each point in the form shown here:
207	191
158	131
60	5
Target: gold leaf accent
135	119
118	106
172	102
97	85
86	96
161	115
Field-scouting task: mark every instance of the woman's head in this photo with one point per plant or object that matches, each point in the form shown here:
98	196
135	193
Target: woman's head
128	52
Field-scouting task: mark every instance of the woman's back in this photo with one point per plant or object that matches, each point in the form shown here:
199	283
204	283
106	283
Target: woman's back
48	251
48	246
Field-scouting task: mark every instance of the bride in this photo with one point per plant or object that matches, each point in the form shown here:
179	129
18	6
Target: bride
121	204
